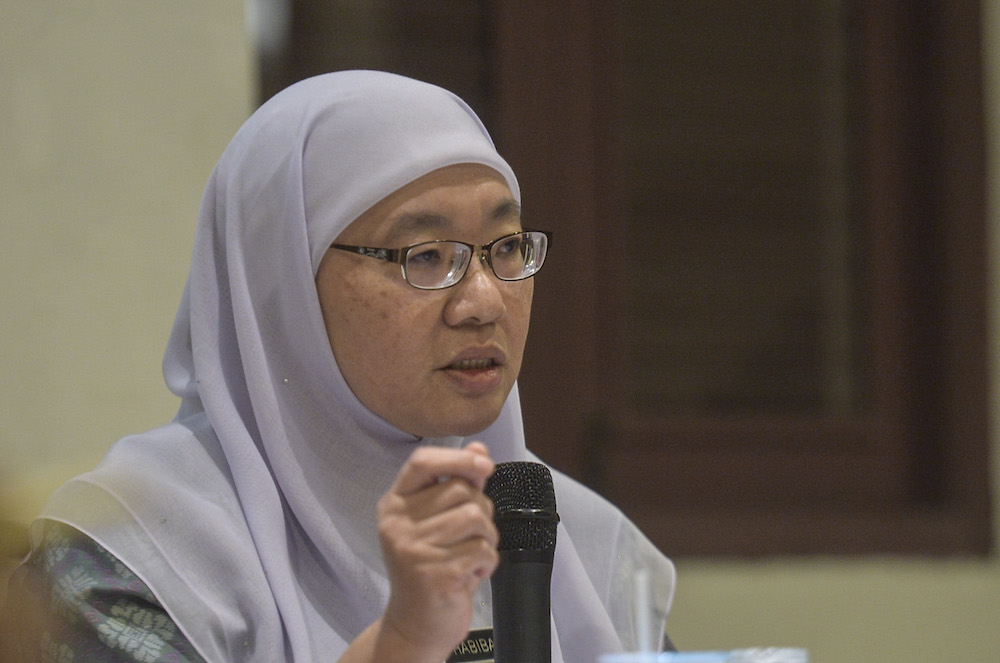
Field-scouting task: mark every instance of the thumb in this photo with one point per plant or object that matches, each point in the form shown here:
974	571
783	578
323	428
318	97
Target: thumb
479	448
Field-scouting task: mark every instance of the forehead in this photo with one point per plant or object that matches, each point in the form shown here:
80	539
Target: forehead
464	198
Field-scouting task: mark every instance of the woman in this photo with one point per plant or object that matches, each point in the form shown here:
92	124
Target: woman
319	494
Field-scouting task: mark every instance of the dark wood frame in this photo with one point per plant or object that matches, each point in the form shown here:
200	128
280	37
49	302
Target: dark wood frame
908	475
916	463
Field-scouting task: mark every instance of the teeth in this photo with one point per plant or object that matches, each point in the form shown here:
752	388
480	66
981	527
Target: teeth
472	364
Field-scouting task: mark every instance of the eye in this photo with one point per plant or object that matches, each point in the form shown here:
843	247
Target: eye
509	247
424	256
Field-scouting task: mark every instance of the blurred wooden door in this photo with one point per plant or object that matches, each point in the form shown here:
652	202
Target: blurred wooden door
763	325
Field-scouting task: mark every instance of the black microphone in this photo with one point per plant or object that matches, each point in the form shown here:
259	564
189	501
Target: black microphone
525	514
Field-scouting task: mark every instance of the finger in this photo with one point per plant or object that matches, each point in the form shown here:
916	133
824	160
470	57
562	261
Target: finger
469	521
467	562
479	448
477	558
427	465
439	497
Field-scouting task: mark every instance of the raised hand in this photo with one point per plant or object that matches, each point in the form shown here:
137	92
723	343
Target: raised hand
439	542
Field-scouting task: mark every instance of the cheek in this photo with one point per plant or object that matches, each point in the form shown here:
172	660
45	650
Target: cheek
373	333
519	308
358	322
518	317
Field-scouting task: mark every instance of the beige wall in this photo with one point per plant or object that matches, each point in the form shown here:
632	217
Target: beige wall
112	115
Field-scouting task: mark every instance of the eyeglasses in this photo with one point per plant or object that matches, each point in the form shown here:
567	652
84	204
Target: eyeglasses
443	263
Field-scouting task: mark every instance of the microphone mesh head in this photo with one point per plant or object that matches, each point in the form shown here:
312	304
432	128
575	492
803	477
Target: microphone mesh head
524	503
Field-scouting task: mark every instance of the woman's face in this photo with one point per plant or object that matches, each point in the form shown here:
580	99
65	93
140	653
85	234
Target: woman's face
431	362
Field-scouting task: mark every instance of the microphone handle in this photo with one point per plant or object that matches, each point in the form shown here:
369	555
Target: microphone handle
521	610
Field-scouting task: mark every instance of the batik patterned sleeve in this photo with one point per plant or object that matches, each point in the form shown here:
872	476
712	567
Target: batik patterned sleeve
88	606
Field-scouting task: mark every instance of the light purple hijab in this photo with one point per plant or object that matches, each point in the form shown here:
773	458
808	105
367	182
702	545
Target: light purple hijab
251	516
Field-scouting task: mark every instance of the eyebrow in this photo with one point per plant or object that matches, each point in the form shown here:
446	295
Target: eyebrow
505	210
410	225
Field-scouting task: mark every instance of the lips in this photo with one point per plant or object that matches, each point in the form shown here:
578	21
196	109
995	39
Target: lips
477	359
472	364
476	370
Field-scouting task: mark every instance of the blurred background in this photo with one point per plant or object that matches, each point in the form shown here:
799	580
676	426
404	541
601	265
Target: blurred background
768	327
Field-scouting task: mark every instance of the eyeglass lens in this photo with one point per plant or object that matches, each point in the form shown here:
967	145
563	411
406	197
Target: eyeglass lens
443	263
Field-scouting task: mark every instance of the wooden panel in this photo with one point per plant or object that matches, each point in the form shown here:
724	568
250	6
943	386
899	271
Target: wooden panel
736	156
762	328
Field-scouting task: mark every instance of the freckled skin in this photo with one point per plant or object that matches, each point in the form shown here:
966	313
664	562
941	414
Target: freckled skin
391	340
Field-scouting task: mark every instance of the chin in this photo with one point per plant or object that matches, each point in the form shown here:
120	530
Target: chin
466	428
470	422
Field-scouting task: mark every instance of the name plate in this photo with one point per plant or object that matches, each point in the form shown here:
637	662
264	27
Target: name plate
476	648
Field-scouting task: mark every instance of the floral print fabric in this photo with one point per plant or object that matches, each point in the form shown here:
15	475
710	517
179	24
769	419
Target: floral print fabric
74	602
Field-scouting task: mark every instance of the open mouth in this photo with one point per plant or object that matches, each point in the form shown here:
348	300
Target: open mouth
473	364
478	372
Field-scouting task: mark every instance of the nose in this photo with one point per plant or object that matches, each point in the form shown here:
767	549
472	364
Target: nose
477	298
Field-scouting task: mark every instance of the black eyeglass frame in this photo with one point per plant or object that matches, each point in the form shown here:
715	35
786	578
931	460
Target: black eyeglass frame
399	256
